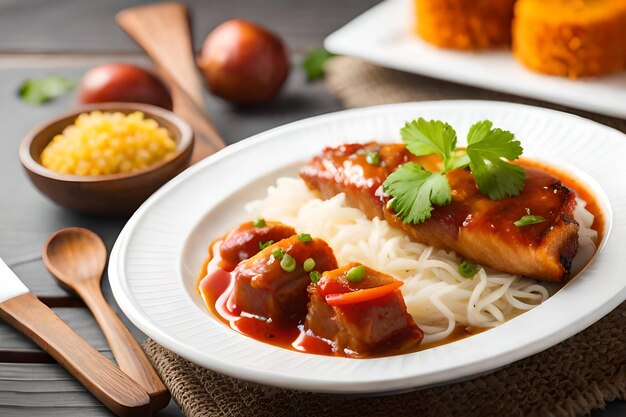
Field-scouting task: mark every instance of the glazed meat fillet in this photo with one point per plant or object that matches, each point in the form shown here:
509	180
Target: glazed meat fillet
474	226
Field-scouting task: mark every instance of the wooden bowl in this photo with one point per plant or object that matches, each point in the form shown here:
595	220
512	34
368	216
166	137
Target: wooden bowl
117	195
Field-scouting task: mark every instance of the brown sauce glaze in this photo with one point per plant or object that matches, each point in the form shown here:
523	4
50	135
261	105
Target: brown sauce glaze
581	190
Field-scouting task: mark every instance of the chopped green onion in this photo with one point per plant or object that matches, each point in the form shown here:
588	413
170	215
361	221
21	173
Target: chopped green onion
266	244
288	264
309	264
278	253
528	220
356	274
373	158
315	276
304	237
259	222
468	269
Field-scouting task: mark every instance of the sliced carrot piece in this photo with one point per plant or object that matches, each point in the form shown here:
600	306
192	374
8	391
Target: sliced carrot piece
360	296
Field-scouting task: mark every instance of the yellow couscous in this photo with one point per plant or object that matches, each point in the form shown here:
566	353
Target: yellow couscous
101	143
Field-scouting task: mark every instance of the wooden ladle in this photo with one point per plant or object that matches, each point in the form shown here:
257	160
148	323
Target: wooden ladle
77	257
163	31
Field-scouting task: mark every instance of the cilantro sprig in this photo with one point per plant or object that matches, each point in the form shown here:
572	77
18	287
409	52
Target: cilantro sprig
488	149
415	190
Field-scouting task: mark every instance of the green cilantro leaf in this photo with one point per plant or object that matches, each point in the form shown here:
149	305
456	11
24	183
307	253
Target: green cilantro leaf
314	63
424	137
458	161
415	190
263	245
41	90
487	150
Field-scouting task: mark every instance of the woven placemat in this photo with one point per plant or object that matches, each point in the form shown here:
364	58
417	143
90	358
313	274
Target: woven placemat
567	380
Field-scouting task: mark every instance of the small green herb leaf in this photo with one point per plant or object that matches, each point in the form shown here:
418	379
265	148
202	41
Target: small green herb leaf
468	269
424	137
487	150
266	244
528	219
314	63
415	190
278	253
458	161
40	90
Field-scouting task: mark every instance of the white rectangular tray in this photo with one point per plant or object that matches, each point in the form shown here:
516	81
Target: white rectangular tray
383	35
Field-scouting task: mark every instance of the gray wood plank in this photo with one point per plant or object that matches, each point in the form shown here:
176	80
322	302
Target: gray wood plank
171	410
22	411
88	26
34	390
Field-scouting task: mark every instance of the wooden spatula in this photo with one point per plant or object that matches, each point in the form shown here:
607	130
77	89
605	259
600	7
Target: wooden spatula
163	31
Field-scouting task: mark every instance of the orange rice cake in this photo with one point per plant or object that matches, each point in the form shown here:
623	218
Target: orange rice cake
465	24
571	38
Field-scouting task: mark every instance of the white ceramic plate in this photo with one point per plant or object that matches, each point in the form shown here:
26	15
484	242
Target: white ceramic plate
383	35
156	260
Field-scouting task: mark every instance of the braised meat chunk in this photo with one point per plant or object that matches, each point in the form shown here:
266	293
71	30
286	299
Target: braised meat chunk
360	311
272	285
245	241
474	226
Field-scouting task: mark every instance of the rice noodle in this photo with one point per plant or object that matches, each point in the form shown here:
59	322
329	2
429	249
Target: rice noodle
437	296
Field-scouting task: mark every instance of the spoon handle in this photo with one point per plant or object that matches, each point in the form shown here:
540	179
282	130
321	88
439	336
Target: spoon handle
163	31
129	356
104	380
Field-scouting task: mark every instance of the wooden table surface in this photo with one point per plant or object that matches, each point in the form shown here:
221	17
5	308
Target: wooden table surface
67	37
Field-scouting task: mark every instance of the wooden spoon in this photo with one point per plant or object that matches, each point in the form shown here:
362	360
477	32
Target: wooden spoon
163	31
77	257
